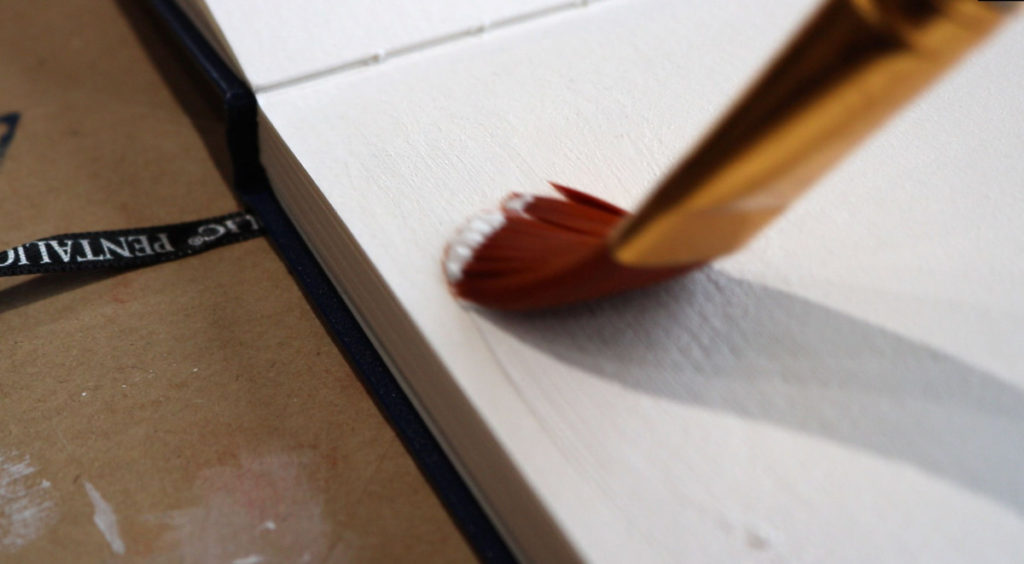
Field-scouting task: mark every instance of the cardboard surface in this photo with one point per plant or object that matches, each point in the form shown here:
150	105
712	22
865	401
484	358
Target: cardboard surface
190	412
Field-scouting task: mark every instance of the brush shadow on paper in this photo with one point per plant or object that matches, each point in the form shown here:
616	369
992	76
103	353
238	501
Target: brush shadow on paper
731	345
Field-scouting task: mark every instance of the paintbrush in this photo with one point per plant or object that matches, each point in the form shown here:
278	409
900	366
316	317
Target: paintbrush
849	68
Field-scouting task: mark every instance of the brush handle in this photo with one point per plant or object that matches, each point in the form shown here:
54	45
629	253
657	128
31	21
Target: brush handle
853	65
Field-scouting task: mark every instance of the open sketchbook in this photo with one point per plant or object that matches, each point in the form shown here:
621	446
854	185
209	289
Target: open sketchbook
848	388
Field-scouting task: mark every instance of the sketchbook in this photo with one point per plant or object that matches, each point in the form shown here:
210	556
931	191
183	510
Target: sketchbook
848	387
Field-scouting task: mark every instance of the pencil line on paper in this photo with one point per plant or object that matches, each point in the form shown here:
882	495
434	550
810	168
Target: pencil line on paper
383	55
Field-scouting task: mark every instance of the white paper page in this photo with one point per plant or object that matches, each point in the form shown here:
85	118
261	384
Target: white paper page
275	41
849	388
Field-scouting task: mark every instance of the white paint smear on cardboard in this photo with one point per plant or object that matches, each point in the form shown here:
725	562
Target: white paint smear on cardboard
262	509
27	502
105	519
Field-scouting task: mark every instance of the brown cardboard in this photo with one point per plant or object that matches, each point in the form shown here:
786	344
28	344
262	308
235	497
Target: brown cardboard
198	404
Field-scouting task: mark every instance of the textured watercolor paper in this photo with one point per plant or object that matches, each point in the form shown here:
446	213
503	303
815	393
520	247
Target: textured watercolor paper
847	388
272	41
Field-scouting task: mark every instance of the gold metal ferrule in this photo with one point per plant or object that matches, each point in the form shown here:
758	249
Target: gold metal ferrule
851	66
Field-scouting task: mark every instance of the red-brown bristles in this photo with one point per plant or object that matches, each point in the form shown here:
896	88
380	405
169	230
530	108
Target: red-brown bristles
541	252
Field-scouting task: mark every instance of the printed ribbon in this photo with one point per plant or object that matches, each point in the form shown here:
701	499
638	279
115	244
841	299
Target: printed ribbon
127	248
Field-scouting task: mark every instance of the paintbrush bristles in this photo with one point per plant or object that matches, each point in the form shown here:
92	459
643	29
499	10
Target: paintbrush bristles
540	252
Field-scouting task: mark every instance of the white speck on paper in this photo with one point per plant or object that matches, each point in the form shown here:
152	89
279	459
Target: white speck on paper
106	521
27	506
251	559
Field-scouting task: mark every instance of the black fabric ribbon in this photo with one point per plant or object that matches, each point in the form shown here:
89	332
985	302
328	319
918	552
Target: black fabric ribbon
127	248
